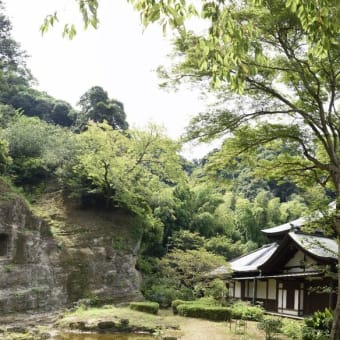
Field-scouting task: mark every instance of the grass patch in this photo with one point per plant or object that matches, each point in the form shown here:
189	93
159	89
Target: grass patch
166	324
111	313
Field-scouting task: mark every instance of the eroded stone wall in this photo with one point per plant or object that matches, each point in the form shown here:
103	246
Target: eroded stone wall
30	273
57	258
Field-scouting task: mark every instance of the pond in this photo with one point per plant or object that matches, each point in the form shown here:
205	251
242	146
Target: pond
112	336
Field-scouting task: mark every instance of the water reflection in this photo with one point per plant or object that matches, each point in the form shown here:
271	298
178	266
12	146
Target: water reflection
116	336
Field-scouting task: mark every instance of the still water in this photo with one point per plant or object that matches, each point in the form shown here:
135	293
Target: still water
116	336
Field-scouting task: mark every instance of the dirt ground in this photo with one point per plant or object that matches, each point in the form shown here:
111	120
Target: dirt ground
198	329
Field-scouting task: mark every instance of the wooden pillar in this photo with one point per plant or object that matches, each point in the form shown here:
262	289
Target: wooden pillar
254	290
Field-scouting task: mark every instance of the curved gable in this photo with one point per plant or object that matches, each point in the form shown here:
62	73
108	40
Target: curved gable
316	249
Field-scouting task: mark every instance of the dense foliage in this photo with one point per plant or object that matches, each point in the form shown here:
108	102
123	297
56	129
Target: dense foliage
245	311
318	326
194	216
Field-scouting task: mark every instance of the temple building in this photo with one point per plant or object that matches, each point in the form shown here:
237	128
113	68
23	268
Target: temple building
295	274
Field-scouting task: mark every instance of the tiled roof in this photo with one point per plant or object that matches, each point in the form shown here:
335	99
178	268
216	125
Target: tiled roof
285	227
318	246
321	247
251	261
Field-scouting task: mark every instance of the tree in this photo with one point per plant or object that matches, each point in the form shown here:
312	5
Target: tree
113	170
274	63
14	73
97	106
11	56
186	240
37	149
62	113
224	246
284	57
187	268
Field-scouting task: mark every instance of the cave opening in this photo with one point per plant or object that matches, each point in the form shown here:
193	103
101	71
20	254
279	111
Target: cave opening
3	244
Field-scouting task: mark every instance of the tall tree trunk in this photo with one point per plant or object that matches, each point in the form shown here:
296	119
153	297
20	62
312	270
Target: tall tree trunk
335	333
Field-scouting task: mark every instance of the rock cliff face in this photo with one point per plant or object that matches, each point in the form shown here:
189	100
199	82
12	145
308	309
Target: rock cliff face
30	273
59	254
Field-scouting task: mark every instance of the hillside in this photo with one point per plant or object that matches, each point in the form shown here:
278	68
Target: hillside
53	253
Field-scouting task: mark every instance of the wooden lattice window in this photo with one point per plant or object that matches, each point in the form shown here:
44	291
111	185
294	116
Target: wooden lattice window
3	244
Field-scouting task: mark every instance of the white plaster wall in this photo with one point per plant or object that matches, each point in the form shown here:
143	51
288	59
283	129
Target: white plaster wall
272	289
299	261
261	289
251	289
231	289
237	289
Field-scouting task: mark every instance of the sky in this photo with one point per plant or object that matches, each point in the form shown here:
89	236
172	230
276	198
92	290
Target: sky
119	56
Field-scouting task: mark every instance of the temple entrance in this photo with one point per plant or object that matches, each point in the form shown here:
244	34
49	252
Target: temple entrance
281	299
290	298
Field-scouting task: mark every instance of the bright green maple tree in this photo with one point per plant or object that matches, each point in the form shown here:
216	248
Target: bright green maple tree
126	170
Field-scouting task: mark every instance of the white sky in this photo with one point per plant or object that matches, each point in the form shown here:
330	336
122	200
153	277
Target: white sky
117	56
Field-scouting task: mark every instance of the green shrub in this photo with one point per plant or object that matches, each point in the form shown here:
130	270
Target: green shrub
164	293
292	329
146	306
270	326
318	326
204	312
161	294
207	301
244	311
203	302
217	289
176	303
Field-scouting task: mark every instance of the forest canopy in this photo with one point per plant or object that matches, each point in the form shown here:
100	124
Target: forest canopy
222	201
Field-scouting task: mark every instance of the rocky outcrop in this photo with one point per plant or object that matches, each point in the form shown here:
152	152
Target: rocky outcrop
99	253
30	273
62	253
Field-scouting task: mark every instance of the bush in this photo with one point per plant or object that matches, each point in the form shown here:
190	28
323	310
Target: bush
203	302
318	326
244	311
270	326
204	312
292	328
218	290
176	303
161	294
147	307
164	292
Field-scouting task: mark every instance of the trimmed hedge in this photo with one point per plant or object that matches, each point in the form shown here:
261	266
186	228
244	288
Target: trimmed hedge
202	302
204	312
176	303
147	307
